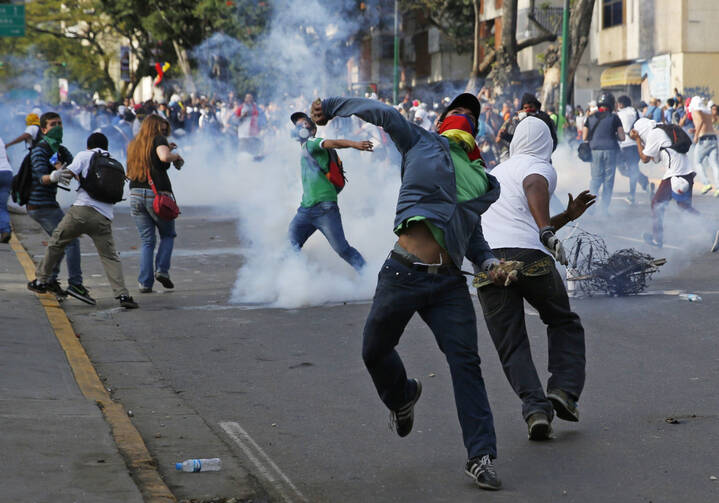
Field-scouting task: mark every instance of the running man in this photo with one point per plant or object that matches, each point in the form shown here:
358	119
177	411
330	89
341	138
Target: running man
318	209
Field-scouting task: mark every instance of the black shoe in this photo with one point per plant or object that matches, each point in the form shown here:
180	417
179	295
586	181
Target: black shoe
483	472
127	302
564	405
37	287
144	289
54	287
402	420
5	237
81	293
538	426
164	280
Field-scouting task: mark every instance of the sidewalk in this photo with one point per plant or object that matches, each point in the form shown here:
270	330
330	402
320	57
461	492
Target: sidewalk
56	442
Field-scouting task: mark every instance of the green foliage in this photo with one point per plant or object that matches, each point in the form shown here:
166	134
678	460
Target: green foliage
455	18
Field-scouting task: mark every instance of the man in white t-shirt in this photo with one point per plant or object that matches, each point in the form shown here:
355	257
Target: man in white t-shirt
86	216
31	135
628	160
518	227
653	144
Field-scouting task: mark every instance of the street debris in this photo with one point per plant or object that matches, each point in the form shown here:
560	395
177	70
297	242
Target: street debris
432	374
593	270
672	420
130	413
691	297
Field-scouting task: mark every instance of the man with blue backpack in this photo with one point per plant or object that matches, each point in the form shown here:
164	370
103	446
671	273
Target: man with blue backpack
322	179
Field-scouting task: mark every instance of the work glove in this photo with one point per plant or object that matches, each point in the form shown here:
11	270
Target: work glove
61	176
553	244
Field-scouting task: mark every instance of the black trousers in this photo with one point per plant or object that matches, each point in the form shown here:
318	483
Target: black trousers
504	314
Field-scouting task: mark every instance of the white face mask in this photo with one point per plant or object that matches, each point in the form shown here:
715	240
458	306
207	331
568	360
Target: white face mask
303	133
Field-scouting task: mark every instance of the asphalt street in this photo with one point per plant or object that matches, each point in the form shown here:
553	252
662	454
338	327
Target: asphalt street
282	396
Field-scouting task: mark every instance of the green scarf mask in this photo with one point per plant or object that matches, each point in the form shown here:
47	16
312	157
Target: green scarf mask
54	138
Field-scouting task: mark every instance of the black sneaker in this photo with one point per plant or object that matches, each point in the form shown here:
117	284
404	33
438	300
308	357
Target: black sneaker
54	287
37	287
564	405
483	472
164	280
538	426
402	420
127	302
5	237
81	293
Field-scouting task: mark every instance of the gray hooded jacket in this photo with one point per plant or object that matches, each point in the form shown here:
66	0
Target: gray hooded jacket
428	185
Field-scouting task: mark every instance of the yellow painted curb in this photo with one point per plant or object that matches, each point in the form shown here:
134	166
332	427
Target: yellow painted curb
127	438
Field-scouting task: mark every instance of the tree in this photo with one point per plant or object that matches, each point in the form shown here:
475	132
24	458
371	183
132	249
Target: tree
580	22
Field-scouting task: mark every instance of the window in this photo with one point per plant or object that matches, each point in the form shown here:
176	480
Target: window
612	13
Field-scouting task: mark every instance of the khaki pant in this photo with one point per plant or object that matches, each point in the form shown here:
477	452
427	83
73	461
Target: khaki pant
77	221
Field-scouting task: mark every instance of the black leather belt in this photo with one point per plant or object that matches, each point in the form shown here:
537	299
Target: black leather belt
431	269
708	137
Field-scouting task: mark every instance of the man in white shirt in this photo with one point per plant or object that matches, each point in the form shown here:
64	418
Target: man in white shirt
31	135
628	161
86	216
518	227
653	144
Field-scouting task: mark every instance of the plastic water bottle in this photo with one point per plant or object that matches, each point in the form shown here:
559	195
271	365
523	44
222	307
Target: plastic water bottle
691	297
199	465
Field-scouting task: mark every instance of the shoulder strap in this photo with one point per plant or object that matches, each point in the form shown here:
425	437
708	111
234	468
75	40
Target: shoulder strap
149	180
594	127
312	160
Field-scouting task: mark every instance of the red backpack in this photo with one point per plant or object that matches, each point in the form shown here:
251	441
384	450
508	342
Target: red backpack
336	173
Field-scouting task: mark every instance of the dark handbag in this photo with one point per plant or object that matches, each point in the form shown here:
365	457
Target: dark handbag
164	204
584	151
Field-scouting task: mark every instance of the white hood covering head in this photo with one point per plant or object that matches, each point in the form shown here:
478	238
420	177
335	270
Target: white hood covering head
532	137
643	126
698	104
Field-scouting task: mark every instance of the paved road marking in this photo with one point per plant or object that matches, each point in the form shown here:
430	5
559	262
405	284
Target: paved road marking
635	240
127	438
267	467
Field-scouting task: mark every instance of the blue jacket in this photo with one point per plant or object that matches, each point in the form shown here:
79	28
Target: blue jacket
44	195
428	185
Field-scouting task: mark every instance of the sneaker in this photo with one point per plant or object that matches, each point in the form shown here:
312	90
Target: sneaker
715	246
164	280
37	287
564	405
144	289
483	472
706	189
402	420
538	426
81	293
5	237
127	302
649	239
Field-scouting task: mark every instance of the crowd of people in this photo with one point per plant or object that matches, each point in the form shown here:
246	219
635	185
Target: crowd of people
455	155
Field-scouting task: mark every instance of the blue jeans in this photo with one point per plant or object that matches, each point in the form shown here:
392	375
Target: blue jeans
324	216
705	151
147	221
604	164
49	218
443	302
5	184
628	164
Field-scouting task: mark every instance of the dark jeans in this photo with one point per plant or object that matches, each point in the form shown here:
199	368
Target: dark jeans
628	165
325	217
5	185
504	314
604	165
49	218
444	303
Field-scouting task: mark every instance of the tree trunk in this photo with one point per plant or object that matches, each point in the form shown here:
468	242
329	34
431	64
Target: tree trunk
580	22
505	64
473	84
184	66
